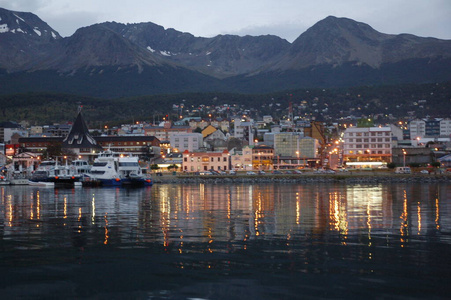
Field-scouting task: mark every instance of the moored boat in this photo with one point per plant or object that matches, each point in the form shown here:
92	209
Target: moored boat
116	169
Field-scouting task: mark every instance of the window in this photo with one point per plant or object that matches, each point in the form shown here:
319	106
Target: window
224	159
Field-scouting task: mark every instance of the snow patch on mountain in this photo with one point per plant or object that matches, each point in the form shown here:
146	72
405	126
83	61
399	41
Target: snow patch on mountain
4	28
18	18
37	31
150	49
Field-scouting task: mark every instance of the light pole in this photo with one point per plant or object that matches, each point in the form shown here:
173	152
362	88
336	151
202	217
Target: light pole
297	154
404	157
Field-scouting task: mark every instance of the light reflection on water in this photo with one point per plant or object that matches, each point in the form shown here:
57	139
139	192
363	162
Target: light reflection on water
388	231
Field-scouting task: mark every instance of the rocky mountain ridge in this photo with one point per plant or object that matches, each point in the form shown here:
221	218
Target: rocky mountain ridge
333	52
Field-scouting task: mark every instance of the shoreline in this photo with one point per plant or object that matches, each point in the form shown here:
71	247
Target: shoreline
305	178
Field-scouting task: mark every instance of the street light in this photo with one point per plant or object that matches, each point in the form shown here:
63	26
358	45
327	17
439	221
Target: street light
404	156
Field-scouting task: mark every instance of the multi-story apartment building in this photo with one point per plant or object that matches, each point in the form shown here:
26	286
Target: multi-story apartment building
295	145
367	146
242	160
262	157
445	127
420	128
204	161
186	141
244	130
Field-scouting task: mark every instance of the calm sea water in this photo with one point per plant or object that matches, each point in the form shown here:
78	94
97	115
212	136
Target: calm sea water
265	241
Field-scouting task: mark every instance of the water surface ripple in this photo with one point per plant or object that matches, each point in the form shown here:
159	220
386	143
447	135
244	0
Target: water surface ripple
227	241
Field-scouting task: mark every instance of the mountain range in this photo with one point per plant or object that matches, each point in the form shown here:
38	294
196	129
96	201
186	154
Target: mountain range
116	60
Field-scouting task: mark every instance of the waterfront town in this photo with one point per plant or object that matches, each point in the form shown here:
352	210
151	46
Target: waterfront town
241	143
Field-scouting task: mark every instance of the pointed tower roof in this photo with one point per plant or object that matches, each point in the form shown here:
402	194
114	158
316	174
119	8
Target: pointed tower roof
79	136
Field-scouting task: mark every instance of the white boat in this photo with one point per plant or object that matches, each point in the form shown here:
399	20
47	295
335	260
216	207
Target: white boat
115	169
41	183
50	173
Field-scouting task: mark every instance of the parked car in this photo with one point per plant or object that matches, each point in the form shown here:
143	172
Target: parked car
297	171
424	172
232	172
276	172
261	172
205	173
403	170
250	173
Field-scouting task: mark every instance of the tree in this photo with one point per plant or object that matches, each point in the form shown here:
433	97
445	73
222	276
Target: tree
53	150
435	164
154	167
391	165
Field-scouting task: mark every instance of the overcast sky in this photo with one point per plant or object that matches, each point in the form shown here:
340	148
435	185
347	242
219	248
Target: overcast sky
207	18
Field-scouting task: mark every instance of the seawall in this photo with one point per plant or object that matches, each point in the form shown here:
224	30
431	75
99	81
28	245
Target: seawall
305	178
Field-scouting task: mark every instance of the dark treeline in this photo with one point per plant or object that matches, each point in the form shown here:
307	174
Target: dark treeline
419	100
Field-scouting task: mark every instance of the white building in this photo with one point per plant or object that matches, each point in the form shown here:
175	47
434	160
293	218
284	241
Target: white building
367	146
244	130
445	127
420	128
417	128
186	141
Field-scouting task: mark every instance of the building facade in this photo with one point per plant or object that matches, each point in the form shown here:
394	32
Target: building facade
164	132
262	158
186	141
420	128
204	161
367	146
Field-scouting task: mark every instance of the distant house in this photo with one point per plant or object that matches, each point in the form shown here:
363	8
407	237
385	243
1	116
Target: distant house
164	132
217	140
8	129
445	161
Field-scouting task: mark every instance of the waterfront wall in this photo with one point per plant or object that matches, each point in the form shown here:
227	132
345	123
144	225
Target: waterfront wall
332	178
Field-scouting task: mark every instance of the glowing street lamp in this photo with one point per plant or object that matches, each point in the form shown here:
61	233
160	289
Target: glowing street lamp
404	156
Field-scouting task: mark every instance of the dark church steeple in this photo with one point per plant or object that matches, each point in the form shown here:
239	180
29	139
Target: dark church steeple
79	136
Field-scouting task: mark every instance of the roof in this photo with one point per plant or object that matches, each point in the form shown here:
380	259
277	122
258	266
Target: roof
125	138
41	139
79	136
